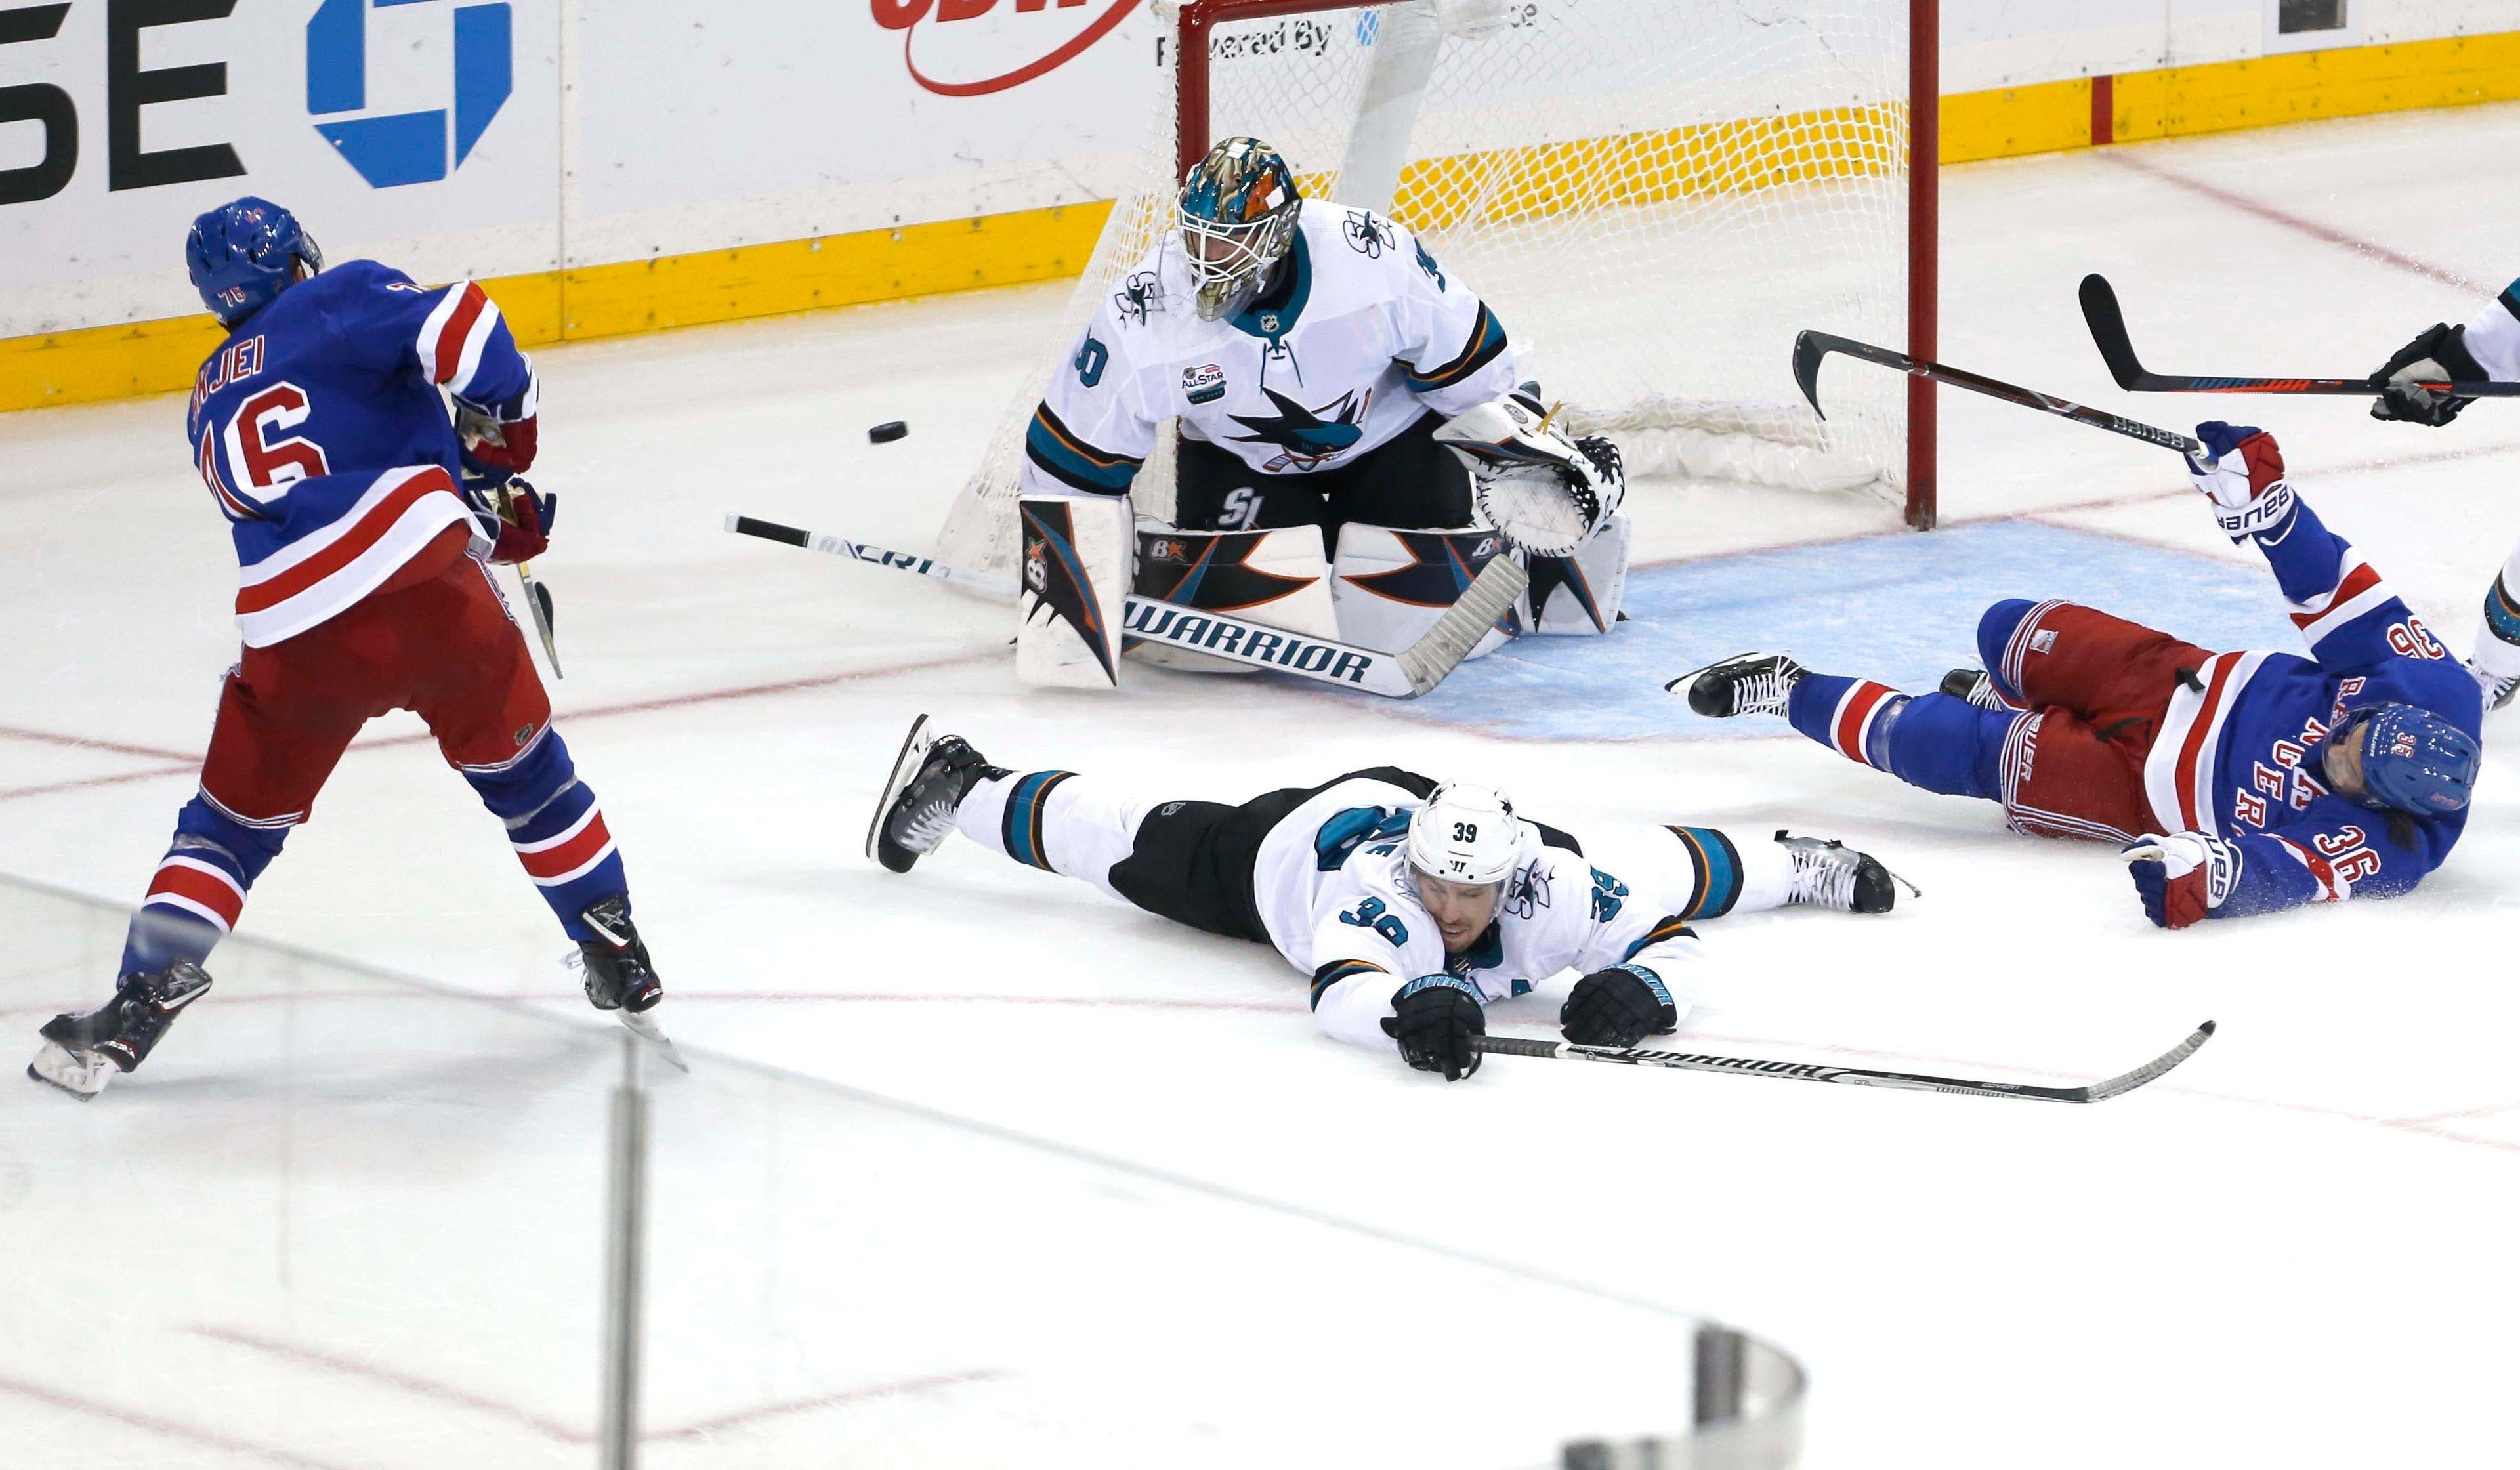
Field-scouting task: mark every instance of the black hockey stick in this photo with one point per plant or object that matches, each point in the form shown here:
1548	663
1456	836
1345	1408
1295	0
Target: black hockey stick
2109	333
1857	1077
1811	346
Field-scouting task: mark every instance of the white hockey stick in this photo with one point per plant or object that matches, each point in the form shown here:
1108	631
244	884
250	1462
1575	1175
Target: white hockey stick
1404	675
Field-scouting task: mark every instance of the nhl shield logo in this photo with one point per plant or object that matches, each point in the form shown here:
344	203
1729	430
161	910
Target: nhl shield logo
1268	323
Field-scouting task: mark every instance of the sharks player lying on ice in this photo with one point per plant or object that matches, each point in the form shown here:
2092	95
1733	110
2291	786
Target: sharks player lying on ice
2239	783
1412	904
1332	383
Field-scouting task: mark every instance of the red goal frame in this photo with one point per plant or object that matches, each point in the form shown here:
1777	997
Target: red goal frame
1924	139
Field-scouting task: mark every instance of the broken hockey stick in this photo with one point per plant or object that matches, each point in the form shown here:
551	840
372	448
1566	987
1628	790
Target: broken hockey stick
1860	1077
1404	675
2100	313
1812	346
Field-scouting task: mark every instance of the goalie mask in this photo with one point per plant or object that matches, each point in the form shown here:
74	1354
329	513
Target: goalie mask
1237	221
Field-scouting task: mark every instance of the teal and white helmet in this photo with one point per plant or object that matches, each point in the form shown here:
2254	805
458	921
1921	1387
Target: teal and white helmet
1237	221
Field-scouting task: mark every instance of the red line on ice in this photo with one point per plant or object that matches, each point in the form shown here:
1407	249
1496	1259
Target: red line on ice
2327	234
165	1428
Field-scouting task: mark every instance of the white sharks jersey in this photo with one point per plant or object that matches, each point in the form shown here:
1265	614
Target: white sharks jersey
1334	888
1366	333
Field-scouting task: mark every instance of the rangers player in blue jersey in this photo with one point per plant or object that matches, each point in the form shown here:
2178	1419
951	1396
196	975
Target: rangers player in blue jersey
361	524
2237	784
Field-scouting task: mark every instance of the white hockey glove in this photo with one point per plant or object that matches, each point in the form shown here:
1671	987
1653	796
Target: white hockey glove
1543	491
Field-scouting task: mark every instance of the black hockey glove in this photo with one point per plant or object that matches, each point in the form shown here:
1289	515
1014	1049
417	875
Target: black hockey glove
1435	1017
2440	346
1619	1006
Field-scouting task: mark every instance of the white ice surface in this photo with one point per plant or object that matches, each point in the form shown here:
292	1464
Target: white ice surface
2293	1251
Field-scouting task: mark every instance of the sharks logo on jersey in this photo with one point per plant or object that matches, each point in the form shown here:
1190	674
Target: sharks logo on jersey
1142	295
1304	438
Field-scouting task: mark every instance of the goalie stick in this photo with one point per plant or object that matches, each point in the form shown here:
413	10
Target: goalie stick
1404	675
2100	313
1810	348
1859	1077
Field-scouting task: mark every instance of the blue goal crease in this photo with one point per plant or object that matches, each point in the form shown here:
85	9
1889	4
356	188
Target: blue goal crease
1902	610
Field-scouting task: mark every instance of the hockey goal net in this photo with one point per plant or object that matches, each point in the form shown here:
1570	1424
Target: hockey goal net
1653	194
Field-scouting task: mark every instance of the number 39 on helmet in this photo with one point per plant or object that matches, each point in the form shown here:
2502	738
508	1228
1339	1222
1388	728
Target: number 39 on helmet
1465	835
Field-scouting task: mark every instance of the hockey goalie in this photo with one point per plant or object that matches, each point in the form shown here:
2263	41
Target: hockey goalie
1355	439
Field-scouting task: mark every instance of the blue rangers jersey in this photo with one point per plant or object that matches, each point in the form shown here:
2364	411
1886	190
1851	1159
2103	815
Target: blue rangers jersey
2237	756
319	427
1362	335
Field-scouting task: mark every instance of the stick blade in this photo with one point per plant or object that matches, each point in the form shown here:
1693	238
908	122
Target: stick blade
2107	323
1809	348
2151	1071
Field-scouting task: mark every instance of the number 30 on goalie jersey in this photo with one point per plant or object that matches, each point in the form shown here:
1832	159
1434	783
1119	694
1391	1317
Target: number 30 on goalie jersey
1362	335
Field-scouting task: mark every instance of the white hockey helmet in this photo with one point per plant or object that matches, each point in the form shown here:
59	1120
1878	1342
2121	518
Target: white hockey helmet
1465	835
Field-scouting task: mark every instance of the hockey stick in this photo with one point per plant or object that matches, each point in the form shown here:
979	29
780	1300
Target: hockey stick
2109	333
1812	346
873	555
538	597
1404	675
1859	1077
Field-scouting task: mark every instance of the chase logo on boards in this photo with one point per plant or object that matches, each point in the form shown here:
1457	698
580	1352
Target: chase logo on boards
406	148
973	61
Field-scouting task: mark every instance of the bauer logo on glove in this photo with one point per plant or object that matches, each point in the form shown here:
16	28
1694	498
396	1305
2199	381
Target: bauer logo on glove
2245	481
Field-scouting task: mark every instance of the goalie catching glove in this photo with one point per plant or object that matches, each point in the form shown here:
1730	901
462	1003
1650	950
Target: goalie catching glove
1543	491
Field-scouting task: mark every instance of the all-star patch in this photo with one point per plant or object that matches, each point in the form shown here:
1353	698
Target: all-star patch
1204	385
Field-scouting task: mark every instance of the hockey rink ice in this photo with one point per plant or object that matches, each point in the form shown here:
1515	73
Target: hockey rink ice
977	1167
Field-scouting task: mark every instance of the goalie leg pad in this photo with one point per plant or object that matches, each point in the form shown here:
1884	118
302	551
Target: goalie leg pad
1390	585
1278	577
1075	590
1580	594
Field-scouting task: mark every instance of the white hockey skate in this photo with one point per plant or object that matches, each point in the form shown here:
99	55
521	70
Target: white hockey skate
1829	874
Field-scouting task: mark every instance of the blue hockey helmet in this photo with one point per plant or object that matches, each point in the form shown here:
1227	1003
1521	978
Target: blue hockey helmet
1239	209
244	252
2412	759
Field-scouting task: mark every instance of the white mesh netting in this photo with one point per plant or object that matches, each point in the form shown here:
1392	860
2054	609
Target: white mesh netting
1653	194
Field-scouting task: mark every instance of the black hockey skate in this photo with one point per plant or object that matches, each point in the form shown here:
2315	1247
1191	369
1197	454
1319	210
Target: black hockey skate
618	974
1833	875
1745	683
928	782
1976	686
83	1051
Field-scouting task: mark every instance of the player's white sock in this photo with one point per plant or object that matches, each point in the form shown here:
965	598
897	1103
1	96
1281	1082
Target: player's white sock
1056	821
1767	875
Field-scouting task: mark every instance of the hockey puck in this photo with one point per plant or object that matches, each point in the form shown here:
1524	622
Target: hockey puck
885	434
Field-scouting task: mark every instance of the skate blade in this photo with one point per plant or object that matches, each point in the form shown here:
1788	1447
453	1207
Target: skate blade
655	1036
81	1073
905	766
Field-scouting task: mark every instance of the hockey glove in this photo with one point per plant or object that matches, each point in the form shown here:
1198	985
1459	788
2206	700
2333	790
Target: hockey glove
494	444
526	516
2184	877
2439	353
1545	492
1619	1006
1433	1018
2245	482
